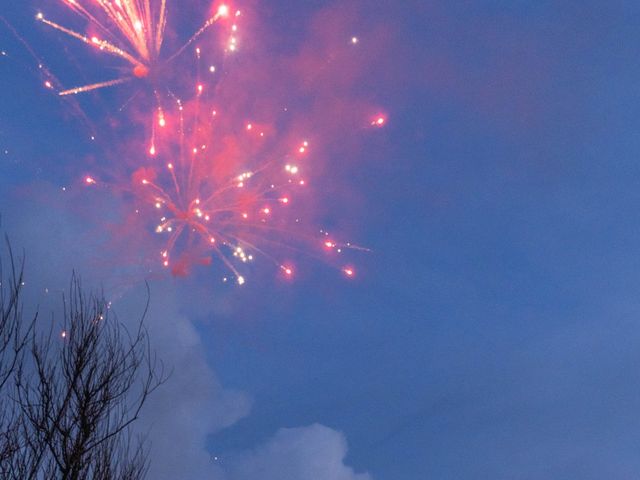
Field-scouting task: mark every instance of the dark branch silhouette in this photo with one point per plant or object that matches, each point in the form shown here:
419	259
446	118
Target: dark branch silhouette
15	334
69	397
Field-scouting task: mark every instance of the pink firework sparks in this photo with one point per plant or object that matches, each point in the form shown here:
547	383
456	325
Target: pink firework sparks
226	196
219	187
199	206
132	30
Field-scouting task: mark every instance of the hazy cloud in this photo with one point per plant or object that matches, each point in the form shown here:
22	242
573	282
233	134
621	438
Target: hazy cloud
315	452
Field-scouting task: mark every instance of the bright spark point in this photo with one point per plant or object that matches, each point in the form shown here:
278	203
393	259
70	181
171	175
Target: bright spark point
354	40
287	270
379	122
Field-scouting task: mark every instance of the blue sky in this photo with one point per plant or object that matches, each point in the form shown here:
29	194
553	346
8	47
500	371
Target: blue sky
493	331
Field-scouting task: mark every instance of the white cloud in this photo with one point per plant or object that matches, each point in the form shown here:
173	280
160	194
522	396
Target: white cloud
192	403
315	452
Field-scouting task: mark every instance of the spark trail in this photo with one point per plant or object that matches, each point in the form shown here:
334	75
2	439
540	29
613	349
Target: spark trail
132	30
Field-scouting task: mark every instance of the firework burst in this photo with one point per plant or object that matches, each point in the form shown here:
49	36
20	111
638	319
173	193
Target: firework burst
225	193
132	30
201	206
214	187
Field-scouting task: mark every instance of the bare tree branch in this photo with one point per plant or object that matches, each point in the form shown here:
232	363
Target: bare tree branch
68	398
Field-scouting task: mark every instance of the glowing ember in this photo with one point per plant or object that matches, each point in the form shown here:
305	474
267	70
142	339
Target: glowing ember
379	121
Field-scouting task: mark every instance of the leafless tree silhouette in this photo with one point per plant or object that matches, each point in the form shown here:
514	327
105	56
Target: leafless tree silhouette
70	396
14	338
